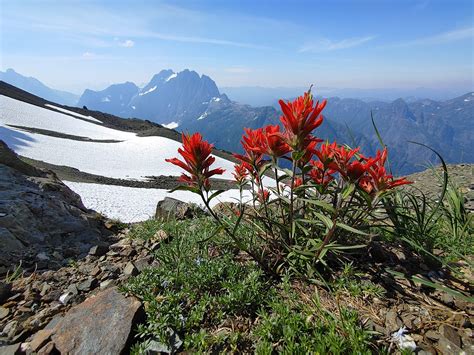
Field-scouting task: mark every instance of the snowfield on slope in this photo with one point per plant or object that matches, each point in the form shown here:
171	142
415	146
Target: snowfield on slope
18	113
90	118
133	158
131	204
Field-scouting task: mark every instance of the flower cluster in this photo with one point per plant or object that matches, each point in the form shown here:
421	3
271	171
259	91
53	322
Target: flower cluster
310	207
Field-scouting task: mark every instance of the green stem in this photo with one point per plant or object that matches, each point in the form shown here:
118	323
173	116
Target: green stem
258	260
291	202
279	192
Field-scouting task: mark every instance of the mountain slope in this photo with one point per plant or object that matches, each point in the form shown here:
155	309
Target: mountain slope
114	99
446	126
36	87
126	158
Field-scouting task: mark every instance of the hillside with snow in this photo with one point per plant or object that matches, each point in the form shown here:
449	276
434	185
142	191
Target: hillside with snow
61	137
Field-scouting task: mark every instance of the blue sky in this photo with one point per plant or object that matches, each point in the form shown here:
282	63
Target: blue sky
73	45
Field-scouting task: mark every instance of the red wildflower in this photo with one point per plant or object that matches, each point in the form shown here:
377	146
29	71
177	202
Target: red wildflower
309	151
319	174
254	144
300	118
197	160
297	183
382	181
275	145
263	196
366	184
240	173
349	170
326	152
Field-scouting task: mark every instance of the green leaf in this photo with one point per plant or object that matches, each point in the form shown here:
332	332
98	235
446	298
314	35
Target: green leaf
328	207
350	229
325	219
287	172
215	194
346	247
297	155
348	189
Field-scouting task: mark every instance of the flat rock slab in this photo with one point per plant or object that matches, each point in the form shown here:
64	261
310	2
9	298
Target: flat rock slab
102	324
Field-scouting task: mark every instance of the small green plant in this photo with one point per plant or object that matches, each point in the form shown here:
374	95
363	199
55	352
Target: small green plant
290	326
194	292
354	283
145	230
15	274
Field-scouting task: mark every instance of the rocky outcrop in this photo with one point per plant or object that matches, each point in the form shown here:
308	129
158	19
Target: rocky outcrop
32	305
42	222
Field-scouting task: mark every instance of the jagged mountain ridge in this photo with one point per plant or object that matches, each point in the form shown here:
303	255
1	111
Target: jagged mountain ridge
169	97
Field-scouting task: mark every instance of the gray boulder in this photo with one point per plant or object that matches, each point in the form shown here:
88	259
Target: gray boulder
102	324
170	208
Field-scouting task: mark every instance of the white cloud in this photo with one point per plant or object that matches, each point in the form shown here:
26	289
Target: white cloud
128	43
327	45
444	37
89	55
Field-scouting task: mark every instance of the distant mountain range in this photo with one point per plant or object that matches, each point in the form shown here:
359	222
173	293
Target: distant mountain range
187	101
36	87
262	96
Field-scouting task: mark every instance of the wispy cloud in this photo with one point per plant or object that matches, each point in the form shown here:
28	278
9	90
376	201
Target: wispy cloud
441	38
85	24
327	45
89	55
127	43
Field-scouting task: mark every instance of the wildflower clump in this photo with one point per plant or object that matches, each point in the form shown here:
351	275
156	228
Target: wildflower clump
326	202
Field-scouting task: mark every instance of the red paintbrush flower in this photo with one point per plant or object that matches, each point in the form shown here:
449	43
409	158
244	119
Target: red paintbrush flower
319	174
342	157
240	173
254	144
275	145
300	118
366	184
197	160
382	181
310	150
326	153
263	196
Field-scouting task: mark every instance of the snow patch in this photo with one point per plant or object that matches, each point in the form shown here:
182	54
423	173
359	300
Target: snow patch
148	91
216	99
105	99
132	158
172	76
203	116
171	125
466	100
134	107
90	118
18	113
131	204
